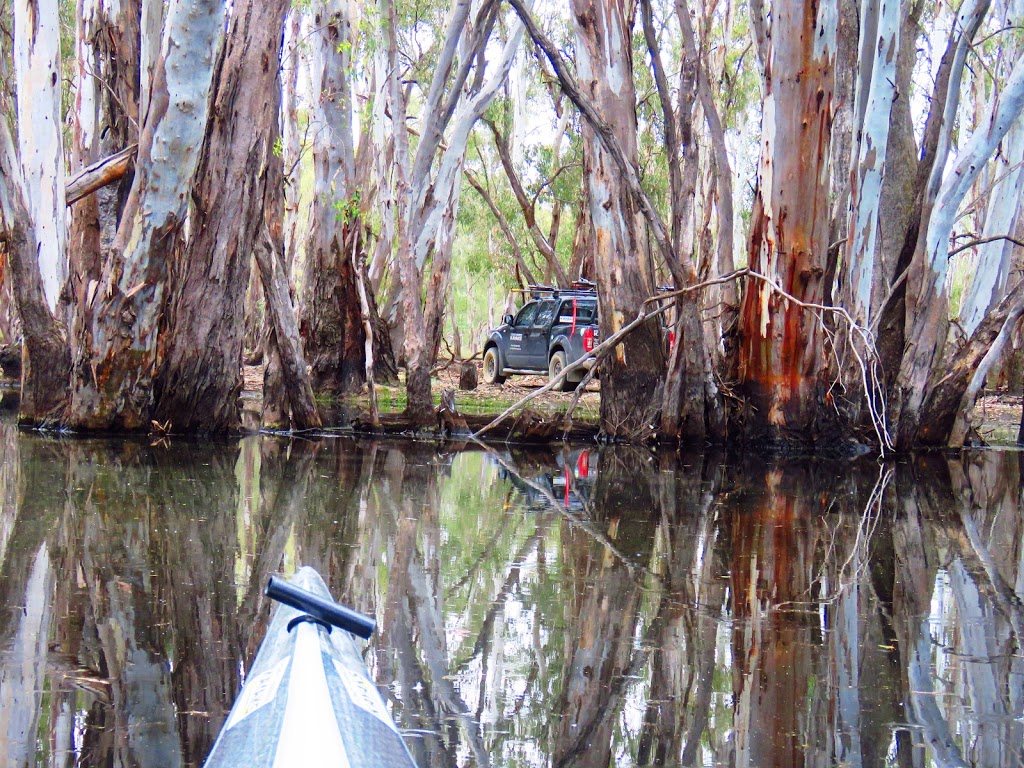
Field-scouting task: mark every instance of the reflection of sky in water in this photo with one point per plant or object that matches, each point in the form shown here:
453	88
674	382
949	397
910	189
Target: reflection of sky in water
667	603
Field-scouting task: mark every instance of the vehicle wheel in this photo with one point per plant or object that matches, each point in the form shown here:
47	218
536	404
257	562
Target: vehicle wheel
492	368
555	366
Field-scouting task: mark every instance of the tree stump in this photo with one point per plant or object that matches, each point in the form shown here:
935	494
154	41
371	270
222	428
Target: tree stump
449	420
467	376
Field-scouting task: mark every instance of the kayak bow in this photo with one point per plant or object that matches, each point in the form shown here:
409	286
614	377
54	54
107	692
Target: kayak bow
308	700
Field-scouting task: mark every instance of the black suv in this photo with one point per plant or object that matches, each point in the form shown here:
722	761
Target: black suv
553	330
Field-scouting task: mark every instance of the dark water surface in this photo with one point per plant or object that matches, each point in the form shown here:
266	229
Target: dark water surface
559	607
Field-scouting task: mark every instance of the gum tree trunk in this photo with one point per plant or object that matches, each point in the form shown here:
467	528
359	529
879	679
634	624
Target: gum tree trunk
204	323
631	377
330	318
427	185
37	70
1005	209
921	395
781	353
117	357
32	209
45	359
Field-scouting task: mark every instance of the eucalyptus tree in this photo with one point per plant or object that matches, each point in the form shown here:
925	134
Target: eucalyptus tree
105	120
781	350
625	274
690	405
29	214
342	153
426	185
117	358
928	373
203	321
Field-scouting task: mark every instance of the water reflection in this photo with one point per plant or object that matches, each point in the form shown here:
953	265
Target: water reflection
572	607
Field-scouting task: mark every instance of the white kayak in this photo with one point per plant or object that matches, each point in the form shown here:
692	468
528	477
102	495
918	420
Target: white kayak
308	700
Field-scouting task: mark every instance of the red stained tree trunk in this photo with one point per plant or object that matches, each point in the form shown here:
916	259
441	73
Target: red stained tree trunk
781	355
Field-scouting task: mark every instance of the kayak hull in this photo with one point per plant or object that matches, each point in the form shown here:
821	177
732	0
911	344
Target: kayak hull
308	701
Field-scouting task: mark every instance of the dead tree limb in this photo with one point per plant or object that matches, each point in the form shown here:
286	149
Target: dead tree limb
646	312
99	174
867	357
364	305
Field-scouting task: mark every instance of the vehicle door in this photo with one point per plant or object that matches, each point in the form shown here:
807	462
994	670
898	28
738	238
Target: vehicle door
537	338
516	356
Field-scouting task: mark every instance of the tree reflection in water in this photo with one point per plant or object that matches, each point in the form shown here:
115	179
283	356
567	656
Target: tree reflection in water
567	607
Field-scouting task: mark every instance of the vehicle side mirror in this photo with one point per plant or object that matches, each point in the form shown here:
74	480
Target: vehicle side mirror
507	319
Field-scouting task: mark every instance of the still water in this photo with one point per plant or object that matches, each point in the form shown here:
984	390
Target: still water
542	607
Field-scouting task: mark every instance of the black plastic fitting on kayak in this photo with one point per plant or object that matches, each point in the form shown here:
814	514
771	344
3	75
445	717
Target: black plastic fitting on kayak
325	610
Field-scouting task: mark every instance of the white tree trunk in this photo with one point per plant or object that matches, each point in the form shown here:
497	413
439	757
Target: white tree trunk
969	163
1005	206
880	35
441	194
38	74
293	60
927	300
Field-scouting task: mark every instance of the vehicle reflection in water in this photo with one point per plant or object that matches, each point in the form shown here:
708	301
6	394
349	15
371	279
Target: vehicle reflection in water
567	607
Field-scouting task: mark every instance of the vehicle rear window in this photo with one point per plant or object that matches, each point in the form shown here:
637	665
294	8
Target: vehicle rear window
586	311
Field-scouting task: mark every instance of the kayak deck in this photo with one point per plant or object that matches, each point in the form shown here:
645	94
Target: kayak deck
308	701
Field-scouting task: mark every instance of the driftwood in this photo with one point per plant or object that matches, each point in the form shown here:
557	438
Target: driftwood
99	174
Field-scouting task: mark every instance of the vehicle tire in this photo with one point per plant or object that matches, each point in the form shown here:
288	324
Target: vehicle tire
492	367
555	366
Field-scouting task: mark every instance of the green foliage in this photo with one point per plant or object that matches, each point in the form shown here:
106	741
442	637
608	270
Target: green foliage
346	210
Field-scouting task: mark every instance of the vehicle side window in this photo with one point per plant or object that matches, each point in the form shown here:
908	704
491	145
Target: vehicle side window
545	315
526	315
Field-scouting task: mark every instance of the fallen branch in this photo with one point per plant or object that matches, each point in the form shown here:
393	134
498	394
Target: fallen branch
874	392
646	313
99	174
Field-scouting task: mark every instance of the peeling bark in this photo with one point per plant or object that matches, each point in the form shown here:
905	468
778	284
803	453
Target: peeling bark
631	378
204	322
116	354
927	301
106	133
330	321
781	354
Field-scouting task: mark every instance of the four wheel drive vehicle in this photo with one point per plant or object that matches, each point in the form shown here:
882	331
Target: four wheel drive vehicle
552	331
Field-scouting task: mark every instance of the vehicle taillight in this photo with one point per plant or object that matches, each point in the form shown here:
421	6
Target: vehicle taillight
583	464
588	340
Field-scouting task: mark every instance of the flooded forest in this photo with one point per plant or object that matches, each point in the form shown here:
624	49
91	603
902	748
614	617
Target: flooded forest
244	244
800	221
536	606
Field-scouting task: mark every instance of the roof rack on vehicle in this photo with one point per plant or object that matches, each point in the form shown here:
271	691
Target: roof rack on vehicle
578	288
